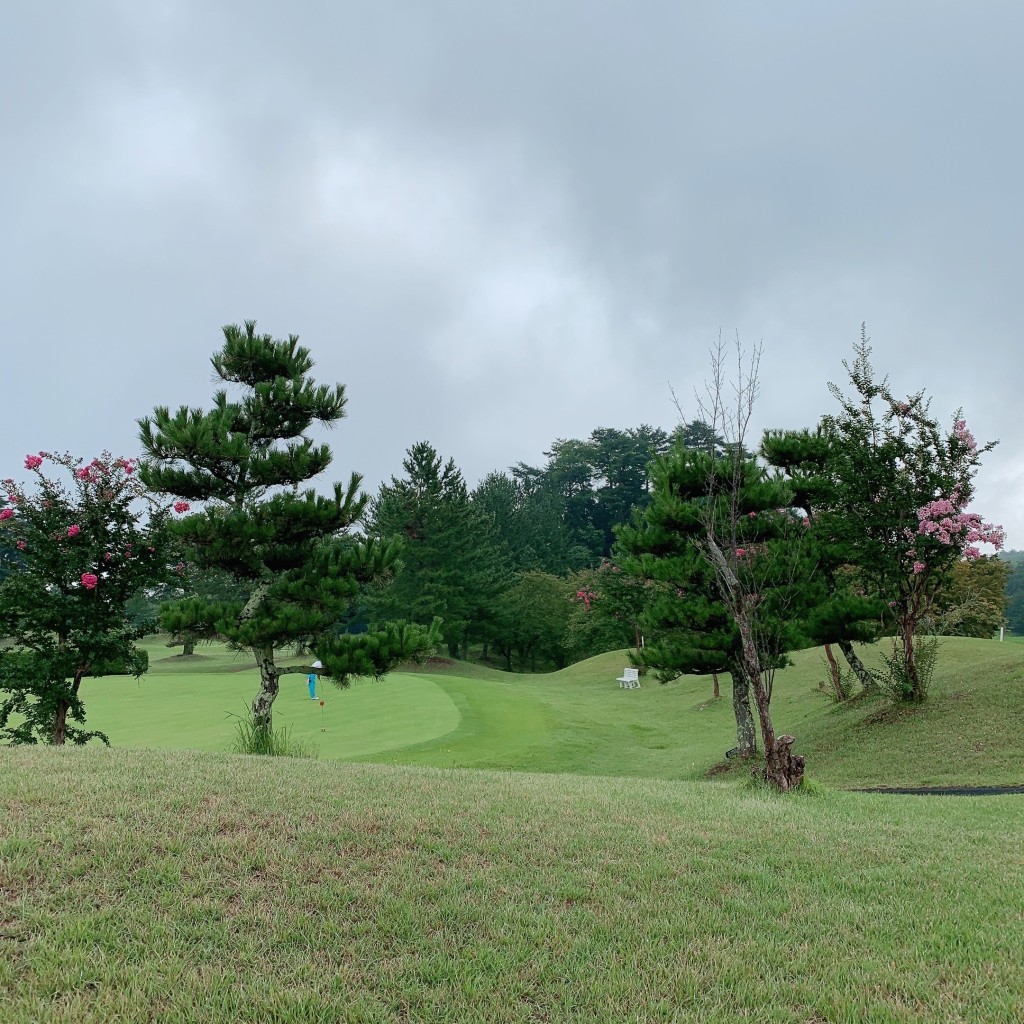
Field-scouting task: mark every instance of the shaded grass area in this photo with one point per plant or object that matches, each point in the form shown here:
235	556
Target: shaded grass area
308	892
579	721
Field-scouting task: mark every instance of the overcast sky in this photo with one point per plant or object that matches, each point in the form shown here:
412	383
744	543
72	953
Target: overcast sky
502	223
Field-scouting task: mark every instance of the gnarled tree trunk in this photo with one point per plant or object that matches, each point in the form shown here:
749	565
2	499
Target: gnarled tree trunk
836	676
860	670
270	681
746	734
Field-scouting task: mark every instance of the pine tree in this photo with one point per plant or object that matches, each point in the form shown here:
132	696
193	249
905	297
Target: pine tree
292	550
451	565
841	612
721	544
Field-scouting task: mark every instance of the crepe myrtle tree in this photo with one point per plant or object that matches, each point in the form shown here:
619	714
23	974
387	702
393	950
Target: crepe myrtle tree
88	538
899	486
293	552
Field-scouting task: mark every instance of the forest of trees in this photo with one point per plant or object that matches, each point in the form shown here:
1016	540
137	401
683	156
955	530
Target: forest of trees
701	550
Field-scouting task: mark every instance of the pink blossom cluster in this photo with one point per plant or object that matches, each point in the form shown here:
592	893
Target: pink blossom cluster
586	596
181	506
34	461
89	580
741	552
943	521
964	436
6	513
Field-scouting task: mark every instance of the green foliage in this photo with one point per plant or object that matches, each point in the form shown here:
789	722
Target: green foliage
597	483
897	680
690	626
897	487
532	617
1015	597
731	569
290	550
451	566
85	548
608	610
973	600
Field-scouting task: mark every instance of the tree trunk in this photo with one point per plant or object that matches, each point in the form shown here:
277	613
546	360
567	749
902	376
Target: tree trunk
746	736
866	677
189	647
263	705
60	724
60	720
782	769
718	692
916	692
837	679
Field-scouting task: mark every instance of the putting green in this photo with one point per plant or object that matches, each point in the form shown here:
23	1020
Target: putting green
175	708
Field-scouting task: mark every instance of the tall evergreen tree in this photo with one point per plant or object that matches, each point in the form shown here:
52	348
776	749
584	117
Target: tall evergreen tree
451	567
291	549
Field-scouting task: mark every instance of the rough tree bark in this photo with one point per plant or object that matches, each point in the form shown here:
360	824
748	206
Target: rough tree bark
860	670
836	676
270	681
60	721
746	734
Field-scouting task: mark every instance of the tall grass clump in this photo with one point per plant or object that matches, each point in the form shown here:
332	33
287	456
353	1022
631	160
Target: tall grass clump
255	738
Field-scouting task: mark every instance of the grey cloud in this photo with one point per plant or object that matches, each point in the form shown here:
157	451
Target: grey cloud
498	224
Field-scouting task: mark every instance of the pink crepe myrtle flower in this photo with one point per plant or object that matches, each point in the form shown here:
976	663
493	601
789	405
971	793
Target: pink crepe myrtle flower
741	552
181	506
919	567
74	530
33	461
89	580
6	513
21	545
84	474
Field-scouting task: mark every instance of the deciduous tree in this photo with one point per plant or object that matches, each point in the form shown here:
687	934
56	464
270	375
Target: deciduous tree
86	544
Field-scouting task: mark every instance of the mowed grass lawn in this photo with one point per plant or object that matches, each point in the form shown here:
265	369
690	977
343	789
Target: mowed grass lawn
579	721
183	887
585	871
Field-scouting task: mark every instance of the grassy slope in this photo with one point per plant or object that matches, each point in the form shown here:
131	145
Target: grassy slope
578	721
368	893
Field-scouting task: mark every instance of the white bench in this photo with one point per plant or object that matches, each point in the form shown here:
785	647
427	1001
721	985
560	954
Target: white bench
630	679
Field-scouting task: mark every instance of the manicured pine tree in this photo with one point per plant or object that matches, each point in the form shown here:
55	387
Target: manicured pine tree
292	550
720	539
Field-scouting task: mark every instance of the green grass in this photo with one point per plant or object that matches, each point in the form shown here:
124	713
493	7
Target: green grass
579	721
303	891
585	872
